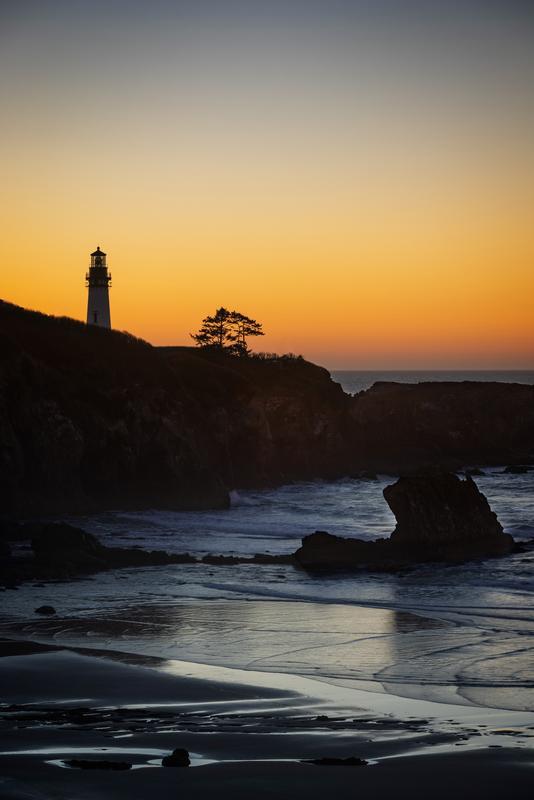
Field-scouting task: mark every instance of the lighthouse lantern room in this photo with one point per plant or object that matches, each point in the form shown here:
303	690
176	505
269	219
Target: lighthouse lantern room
98	281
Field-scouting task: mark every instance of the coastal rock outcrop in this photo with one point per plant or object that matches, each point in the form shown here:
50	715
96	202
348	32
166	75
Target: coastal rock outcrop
64	550
58	544
445	516
439	518
417	428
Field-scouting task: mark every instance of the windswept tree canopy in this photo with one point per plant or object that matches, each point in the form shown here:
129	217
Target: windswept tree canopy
227	330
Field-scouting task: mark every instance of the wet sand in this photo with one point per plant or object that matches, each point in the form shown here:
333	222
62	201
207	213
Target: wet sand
247	734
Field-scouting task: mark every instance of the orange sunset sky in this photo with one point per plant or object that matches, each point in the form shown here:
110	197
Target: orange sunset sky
357	176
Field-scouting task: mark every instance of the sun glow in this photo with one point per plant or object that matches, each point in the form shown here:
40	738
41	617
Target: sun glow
369	201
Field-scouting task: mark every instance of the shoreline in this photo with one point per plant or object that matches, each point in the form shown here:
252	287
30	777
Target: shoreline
241	727
350	645
328	691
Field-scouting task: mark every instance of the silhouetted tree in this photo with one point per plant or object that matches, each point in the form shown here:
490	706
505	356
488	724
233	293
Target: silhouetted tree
242	327
216	331
227	330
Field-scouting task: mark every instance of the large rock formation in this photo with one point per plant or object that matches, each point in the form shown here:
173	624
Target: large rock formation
412	428
439	518
445	516
92	419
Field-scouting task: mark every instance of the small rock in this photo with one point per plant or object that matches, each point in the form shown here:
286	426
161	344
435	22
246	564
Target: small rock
178	758
45	610
517	469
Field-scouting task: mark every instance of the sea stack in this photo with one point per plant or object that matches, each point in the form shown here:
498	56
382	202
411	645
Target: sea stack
98	281
439	518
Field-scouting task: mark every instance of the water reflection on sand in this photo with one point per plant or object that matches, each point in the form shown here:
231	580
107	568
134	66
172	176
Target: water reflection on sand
407	654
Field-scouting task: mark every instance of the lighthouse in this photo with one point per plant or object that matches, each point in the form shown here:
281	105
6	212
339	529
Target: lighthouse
98	281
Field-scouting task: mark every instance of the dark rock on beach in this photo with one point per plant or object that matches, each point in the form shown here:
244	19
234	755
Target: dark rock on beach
439	518
81	763
46	611
59	545
178	758
63	551
328	761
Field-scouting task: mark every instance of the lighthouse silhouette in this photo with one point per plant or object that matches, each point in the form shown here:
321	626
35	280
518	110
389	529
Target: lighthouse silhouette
98	281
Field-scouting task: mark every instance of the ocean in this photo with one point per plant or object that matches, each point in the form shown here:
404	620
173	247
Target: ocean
459	634
354	381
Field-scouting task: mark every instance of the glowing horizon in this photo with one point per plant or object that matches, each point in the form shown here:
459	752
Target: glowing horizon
360	179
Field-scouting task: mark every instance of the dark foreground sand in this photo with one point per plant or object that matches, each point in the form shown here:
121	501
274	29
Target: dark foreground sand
246	740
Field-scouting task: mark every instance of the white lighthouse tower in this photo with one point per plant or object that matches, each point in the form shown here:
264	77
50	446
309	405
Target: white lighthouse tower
98	281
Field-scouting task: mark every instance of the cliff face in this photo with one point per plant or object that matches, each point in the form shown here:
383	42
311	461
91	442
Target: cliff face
409	428
91	418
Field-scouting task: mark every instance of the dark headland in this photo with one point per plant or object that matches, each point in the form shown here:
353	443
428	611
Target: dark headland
95	419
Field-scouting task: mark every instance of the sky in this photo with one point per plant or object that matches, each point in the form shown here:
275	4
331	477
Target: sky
356	175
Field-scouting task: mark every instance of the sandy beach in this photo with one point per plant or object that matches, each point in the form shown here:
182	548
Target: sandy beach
247	733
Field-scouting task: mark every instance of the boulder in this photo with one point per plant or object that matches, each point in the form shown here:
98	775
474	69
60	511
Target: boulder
46	611
178	758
